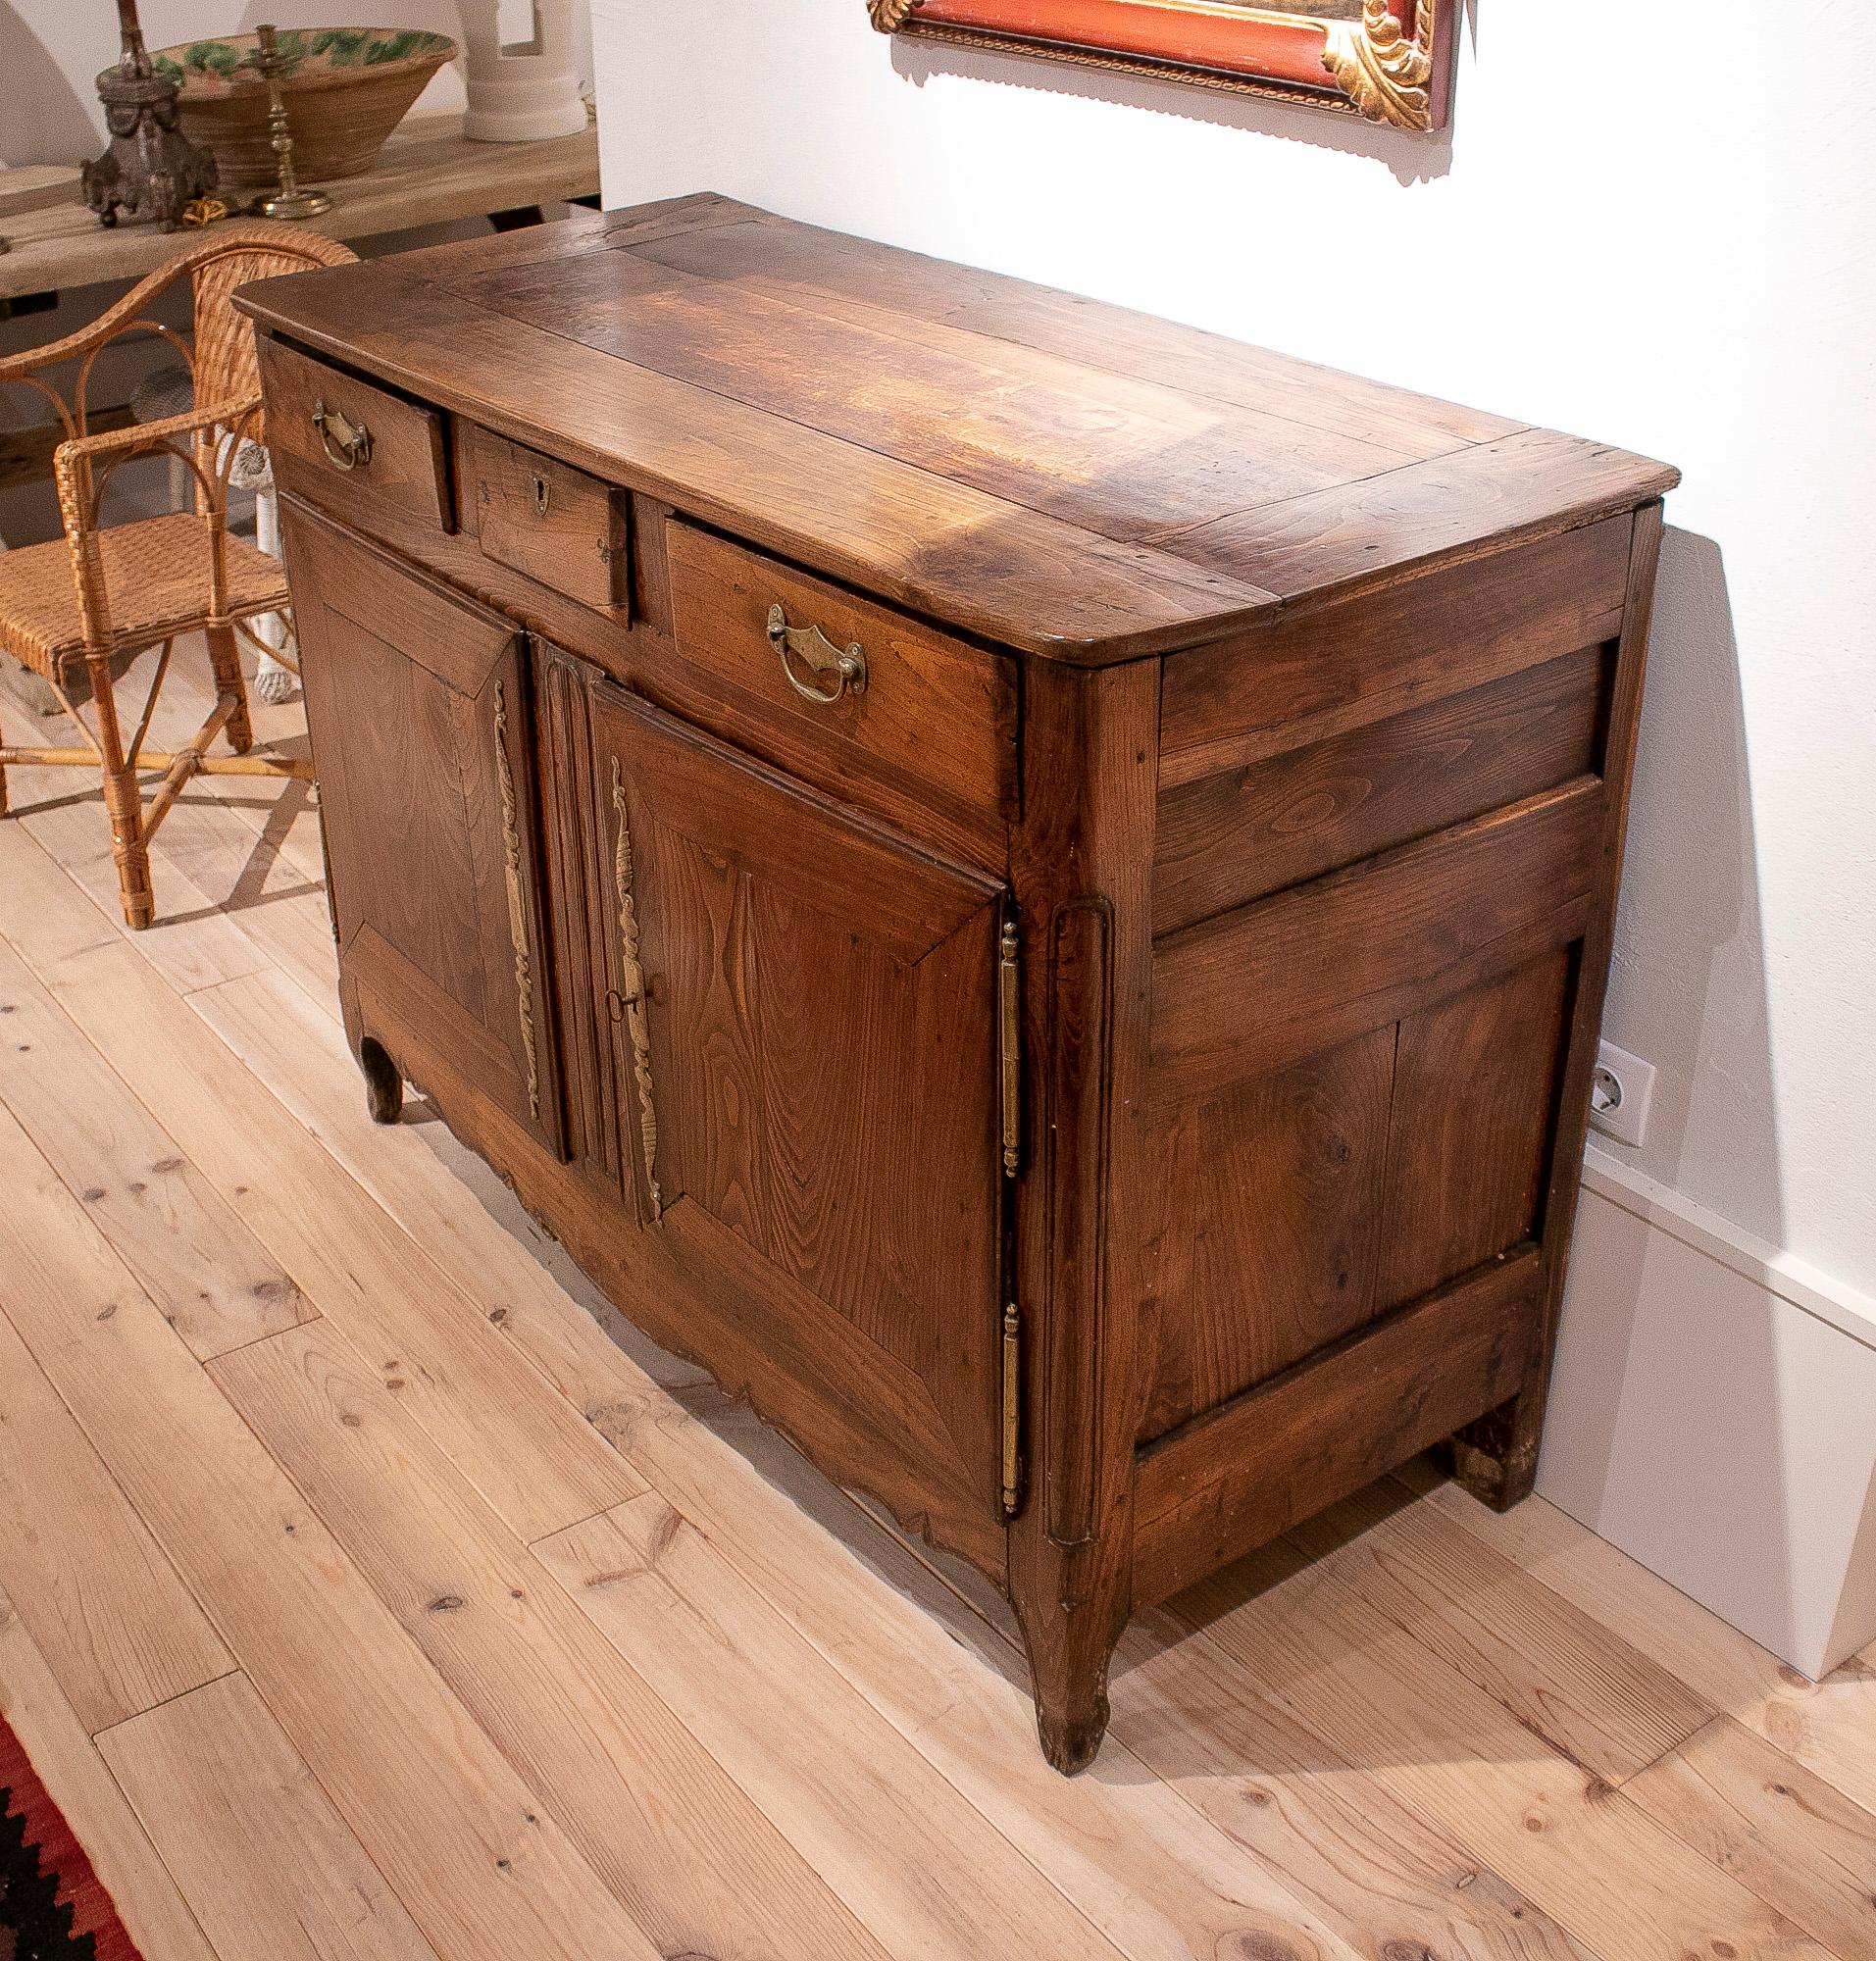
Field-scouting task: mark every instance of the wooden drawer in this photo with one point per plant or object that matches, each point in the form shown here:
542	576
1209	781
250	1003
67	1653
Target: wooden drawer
934	716
373	451
547	518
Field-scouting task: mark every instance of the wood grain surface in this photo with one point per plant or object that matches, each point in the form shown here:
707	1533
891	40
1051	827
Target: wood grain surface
1066	478
1127	1018
556	524
1418	1725
428	173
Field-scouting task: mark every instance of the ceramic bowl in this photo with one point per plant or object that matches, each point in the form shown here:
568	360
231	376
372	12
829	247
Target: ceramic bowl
345	89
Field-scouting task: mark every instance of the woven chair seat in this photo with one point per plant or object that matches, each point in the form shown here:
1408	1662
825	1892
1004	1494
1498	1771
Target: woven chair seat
82	603
157	574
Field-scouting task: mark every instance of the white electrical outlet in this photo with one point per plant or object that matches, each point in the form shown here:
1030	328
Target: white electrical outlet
1620	1093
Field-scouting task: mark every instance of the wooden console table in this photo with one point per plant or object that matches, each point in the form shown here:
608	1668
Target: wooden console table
1031	887
427	174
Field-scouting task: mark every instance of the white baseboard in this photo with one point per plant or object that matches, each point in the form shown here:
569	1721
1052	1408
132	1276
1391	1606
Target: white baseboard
1714	1414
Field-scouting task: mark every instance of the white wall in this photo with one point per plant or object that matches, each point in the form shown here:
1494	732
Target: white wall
1642	233
1714	1414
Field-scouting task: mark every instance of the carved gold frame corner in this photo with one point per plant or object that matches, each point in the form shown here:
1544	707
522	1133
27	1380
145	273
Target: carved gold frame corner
1385	72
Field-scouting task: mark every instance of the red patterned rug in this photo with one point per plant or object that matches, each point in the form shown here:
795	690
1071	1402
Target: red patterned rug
52	1907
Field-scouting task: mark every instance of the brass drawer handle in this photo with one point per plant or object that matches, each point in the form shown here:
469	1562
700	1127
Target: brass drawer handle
846	670
346	444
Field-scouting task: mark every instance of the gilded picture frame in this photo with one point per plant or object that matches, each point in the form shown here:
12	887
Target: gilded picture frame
1390	61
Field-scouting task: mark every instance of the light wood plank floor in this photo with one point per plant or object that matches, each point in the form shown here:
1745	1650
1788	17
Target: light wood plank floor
368	1589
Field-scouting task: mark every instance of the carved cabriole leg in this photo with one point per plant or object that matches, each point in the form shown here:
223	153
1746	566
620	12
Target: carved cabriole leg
384	1083
224	658
123	801
384	1079
1495	1459
1081	861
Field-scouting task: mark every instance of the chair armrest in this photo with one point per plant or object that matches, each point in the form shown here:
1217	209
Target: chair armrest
156	435
118	444
73	463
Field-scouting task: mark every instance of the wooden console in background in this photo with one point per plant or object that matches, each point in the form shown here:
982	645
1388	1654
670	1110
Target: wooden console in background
1031	886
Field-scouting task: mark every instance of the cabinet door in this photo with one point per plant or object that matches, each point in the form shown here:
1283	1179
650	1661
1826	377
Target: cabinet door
806	1013
419	713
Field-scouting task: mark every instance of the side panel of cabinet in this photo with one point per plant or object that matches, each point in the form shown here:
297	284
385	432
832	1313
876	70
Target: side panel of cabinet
1357	1083
420	716
804	1073
1381	844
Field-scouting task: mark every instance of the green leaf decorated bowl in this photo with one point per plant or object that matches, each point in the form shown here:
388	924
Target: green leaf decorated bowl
345	91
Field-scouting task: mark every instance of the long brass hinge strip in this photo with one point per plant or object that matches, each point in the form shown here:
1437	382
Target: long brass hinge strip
1009	1000
1012	1408
631	989
517	903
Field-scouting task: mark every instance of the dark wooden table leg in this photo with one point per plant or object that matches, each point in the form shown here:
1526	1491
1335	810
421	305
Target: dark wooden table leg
1082	863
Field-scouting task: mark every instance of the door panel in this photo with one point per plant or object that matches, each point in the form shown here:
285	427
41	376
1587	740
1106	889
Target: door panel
1474	1105
813	1044
419	705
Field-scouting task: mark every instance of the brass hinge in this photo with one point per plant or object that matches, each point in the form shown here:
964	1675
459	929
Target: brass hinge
1012	1408
1009	999
325	865
516	899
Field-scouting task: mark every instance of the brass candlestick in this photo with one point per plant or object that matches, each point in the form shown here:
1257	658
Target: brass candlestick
289	201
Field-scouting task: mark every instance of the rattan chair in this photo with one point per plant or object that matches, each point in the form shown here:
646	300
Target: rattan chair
100	593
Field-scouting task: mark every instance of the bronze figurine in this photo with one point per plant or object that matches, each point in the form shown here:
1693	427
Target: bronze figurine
151	169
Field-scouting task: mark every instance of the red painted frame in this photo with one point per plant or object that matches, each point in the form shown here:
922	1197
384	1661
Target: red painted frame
1261	48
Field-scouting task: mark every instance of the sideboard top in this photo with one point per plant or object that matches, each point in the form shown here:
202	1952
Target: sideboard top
1060	475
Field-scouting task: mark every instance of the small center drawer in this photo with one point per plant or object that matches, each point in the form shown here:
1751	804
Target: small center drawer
849	694
547	518
370	449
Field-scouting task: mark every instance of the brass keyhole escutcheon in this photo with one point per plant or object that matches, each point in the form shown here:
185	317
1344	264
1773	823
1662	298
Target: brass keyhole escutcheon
543	496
